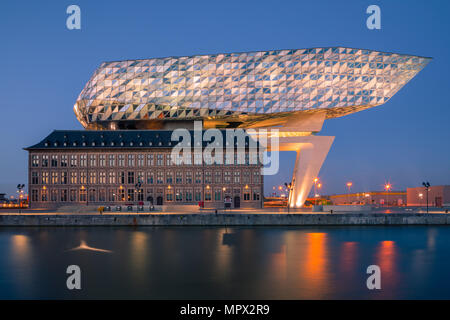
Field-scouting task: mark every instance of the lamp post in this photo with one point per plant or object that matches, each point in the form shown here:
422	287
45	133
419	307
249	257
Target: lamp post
20	191
349	185
289	188
427	189
387	187
315	186
137	190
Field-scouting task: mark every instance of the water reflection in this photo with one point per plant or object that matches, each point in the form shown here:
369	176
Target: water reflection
315	268
205	263
84	246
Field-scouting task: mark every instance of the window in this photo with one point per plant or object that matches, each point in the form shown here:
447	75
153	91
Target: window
121	194
130	194
64	178
178	195
169	177
227	177
159	159
93	160
35	161
150	177
168	159
92	177
45	161
44	177
102	160
121	160
73	195
140	160
130	177
54	177
83	178
150	161
237	177
112	160
140	177
188	196
179	177
54	195
122	177
246	176
73	178
111	195
198	177
198	157
256	177
169	195
63	195
102	195
34	195
208	194
64	162
218	177
131	160
189	177
54	162
217	195
73	161
208	177
92	195
160	177
246	195
34	178
102	177
44	194
83	160
112	177
198	195
255	194
140	194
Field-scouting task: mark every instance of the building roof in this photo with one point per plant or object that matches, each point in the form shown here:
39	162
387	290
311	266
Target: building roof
114	139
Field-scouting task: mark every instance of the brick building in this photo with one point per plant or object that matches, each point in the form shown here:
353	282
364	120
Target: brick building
131	167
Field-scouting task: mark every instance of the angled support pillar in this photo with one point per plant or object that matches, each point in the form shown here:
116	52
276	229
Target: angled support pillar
311	153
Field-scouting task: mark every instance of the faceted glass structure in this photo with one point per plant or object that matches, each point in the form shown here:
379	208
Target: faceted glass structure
242	89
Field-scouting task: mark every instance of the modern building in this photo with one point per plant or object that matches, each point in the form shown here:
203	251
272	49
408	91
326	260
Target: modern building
288	92
132	166
438	196
379	198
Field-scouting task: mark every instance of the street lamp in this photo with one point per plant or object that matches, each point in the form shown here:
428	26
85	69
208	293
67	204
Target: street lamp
387	187
289	187
20	191
349	186
427	189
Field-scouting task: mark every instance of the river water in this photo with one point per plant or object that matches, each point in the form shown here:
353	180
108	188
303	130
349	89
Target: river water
219	263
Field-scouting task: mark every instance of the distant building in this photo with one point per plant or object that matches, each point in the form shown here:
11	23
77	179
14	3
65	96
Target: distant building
392	198
438	196
131	166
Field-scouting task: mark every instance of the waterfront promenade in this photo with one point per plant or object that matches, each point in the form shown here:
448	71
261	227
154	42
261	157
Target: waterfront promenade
267	217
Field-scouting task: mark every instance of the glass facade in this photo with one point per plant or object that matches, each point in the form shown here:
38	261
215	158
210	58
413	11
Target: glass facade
243	88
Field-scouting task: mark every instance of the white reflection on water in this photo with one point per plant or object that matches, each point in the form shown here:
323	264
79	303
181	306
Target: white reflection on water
84	246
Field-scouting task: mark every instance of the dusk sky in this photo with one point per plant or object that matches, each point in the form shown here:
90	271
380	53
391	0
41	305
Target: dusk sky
44	66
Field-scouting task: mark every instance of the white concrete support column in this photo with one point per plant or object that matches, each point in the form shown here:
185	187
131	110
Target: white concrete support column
311	153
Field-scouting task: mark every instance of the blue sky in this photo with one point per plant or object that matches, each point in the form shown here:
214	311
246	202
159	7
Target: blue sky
44	66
